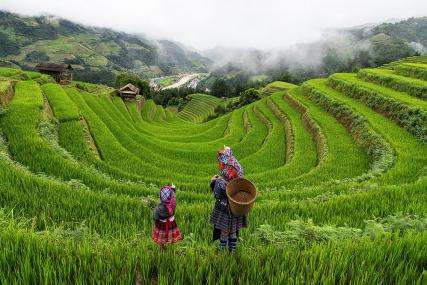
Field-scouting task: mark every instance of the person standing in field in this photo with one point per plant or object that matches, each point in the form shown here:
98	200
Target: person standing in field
165	230
226	226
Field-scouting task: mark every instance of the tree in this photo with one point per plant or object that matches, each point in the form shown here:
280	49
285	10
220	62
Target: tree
173	101
332	63
220	88
102	76
386	49
249	96
37	56
283	74
75	60
362	59
7	46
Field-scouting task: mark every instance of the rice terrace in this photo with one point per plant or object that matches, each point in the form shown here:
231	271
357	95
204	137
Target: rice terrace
321	168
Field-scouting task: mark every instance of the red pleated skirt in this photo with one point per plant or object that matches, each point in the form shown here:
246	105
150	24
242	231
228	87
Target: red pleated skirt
166	232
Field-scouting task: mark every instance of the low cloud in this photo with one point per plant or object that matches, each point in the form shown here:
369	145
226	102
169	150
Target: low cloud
205	24
301	55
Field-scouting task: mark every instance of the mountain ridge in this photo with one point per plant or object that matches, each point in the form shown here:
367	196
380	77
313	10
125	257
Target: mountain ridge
95	51
408	35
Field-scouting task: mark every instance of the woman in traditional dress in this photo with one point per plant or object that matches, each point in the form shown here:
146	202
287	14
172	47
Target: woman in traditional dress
226	226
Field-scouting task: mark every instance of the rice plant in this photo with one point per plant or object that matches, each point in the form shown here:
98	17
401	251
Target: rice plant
340	165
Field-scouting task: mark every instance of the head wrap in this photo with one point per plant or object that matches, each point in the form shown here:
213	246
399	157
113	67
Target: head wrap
167	197
229	167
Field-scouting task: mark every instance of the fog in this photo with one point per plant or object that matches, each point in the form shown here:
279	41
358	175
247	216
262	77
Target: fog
260	24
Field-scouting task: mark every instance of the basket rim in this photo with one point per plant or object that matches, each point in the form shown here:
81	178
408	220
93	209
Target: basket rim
242	203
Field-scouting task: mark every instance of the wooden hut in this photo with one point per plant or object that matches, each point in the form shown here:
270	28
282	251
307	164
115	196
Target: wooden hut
129	92
62	73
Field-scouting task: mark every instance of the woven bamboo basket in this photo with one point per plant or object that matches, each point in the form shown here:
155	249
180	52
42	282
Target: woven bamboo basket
241	195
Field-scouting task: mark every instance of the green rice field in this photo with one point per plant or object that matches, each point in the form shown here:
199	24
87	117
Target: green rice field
340	166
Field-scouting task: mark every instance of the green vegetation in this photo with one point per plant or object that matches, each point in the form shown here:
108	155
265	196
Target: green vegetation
248	96
346	50
98	55
404	110
230	83
388	78
63	108
199	108
17	74
386	48
5	92
97	89
410	30
276	86
415	70
340	166
4	85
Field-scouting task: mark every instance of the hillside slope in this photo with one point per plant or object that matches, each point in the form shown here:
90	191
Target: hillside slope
339	164
199	108
338	50
96	52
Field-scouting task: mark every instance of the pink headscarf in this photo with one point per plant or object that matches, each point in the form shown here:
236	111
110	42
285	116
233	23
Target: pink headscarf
167	197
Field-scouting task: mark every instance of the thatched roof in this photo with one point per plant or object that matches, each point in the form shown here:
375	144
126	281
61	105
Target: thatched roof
54	67
129	89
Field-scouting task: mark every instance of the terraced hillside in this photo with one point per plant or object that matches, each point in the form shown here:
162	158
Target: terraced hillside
97	53
199	108
340	165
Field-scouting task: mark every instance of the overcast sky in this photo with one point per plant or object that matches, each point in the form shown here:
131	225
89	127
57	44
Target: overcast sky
235	23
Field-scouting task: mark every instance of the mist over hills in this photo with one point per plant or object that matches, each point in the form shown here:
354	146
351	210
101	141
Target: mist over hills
99	54
376	43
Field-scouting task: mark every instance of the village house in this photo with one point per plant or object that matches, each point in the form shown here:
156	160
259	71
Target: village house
129	92
62	73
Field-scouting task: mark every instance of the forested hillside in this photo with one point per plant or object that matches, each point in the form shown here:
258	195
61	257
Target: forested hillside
339	50
97	53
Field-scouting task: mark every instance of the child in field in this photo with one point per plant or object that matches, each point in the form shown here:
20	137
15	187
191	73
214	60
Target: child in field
165	230
226	226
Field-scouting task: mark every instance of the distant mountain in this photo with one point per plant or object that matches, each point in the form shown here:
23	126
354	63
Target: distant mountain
412	30
97	53
338	50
